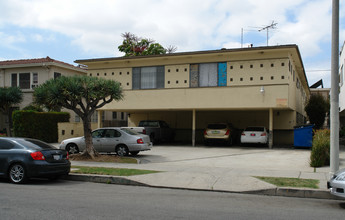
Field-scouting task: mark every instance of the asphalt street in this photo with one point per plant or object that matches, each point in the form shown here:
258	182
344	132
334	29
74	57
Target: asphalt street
43	199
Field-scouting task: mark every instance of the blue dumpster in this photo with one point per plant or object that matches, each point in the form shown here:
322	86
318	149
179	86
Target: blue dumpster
303	136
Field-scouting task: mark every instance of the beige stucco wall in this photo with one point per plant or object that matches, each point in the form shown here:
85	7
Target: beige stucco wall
275	96
69	130
121	75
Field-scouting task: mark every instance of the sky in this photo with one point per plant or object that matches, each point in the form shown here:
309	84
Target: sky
68	30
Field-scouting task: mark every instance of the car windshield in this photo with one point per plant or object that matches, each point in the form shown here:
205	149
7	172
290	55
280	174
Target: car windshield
128	131
255	129
216	126
34	144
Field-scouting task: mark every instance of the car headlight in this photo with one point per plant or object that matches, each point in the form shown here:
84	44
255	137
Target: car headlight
340	177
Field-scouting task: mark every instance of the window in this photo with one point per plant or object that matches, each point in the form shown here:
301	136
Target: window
35	78
110	133
6	145
148	77
208	74
94	117
122	115
24	80
114	115
57	75
14	82
77	118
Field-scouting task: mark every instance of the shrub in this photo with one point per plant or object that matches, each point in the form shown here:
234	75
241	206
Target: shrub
38	125
321	148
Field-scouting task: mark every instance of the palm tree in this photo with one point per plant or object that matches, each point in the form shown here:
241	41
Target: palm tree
9	96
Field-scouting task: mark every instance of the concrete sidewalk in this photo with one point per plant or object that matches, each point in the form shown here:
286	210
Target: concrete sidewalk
225	169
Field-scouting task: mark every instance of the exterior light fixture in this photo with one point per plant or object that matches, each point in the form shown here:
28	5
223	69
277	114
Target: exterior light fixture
262	90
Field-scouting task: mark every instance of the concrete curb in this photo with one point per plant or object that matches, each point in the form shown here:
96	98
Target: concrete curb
279	191
296	192
102	179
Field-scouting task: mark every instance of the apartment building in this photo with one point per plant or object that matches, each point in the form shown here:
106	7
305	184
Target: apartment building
256	86
29	73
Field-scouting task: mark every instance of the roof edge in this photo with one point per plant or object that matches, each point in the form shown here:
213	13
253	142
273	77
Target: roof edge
189	53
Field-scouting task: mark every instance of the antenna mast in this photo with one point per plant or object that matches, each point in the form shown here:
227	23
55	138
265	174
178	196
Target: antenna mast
271	26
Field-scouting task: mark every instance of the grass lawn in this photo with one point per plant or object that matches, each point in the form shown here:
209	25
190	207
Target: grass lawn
109	171
291	182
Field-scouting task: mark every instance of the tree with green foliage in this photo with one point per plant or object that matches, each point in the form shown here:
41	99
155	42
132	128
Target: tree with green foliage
135	46
320	152
81	94
316	109
9	96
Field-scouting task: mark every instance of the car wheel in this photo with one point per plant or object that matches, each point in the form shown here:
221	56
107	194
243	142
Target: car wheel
134	153
121	150
17	173
230	142
152	138
72	148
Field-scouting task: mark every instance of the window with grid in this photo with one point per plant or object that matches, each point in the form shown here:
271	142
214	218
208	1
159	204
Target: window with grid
148	77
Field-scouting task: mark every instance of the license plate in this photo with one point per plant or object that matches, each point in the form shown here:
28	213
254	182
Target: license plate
252	134
56	157
215	132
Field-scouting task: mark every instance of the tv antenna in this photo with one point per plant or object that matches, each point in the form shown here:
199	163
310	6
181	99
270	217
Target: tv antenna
271	26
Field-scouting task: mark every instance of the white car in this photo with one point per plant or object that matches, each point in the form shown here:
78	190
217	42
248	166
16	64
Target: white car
337	184
254	135
122	141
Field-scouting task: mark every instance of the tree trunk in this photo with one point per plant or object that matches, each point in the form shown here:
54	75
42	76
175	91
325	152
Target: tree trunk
89	150
8	125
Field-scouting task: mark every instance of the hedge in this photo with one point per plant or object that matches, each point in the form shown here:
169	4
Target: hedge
38	125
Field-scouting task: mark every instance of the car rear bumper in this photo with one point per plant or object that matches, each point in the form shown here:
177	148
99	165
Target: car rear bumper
140	147
44	168
255	140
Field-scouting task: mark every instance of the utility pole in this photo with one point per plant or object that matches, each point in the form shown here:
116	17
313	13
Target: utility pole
334	142
272	26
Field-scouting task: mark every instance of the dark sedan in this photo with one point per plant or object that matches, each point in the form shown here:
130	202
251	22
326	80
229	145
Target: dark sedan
22	158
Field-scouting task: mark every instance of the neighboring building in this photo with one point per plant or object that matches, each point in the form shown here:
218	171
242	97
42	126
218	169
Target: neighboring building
325	93
342	86
246	87
29	73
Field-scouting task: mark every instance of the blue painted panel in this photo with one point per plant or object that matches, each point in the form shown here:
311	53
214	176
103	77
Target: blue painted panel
221	74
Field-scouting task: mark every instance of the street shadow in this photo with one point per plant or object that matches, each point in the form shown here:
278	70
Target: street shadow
342	205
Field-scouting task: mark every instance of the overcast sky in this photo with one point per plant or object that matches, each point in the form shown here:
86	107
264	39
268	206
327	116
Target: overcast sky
68	30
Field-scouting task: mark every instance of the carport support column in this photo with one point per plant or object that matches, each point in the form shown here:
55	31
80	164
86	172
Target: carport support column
270	134
193	128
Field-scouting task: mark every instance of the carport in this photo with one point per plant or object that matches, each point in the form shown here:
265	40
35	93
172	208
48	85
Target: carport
189	124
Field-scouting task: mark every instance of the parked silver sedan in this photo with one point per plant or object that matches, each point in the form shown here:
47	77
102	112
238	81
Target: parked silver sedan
337	184
122	141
